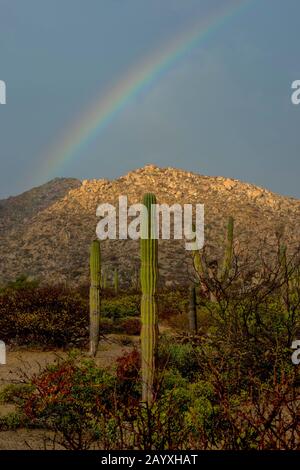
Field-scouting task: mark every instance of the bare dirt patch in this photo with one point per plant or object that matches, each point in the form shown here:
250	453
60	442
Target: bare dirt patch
24	363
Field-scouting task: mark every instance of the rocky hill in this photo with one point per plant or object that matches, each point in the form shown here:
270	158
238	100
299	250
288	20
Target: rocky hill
46	231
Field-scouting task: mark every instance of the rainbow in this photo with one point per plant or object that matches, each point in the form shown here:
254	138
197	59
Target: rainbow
104	109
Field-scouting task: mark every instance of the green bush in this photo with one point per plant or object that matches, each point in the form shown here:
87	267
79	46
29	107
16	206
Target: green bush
51	316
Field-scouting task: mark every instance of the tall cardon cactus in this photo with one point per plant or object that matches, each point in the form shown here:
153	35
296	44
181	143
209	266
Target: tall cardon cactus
149	278
95	300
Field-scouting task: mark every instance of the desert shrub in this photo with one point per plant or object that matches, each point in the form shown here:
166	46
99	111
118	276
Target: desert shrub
161	426
179	322
21	282
231	387
128	372
13	421
128	366
247	339
107	326
169	379
239	395
178	357
246	420
87	407
124	326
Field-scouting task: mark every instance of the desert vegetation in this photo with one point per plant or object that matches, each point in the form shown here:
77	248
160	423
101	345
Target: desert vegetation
210	367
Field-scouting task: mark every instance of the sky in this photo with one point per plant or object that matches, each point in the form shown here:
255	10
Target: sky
222	108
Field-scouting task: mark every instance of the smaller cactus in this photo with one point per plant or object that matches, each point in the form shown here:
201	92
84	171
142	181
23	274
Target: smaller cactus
284	270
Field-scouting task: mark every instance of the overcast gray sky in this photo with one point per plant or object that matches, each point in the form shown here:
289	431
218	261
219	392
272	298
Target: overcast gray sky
224	108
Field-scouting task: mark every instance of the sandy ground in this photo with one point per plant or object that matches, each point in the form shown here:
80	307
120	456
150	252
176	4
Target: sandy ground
23	363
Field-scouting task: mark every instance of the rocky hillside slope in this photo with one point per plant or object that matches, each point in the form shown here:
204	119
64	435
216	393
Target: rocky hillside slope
46	232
